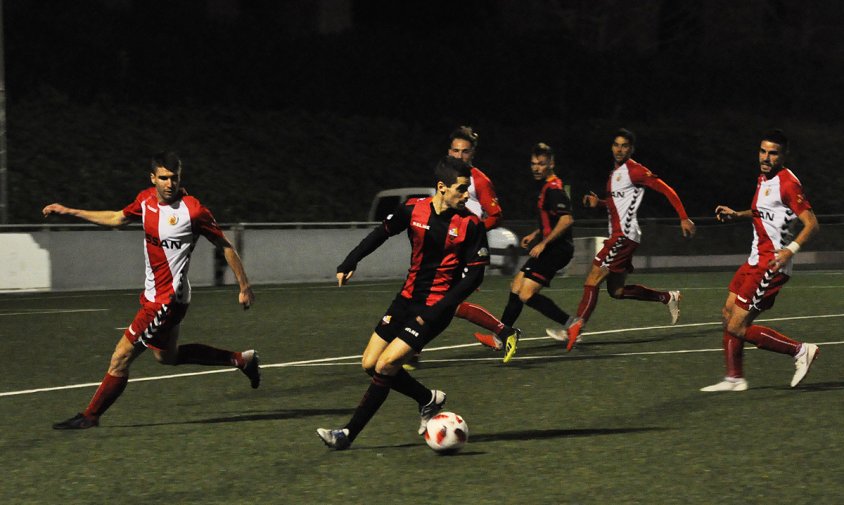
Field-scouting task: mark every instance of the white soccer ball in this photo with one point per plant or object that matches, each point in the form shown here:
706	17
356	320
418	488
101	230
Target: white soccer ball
446	433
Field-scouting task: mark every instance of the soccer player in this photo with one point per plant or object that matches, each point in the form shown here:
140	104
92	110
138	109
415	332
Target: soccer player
625	191
448	258
550	247
172	222
778	201
483	202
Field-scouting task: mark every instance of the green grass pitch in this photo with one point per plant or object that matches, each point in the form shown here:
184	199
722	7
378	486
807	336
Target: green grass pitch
618	420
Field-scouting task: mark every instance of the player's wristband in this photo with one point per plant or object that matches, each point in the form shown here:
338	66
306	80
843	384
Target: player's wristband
793	247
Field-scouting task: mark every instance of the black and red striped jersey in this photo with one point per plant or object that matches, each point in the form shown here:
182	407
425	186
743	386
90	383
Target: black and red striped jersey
443	246
552	204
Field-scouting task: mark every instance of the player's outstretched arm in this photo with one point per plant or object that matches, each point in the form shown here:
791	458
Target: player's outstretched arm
725	214
591	200
245	297
110	218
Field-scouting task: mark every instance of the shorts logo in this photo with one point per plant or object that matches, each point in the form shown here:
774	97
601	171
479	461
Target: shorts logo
483	252
386	320
173	219
412	331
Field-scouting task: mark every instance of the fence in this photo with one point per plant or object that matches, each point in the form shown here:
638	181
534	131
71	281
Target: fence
85	257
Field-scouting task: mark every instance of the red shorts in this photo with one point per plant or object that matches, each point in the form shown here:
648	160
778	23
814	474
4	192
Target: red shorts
154	322
756	287
616	255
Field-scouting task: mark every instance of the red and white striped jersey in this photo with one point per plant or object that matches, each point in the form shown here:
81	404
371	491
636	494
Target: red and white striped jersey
777	203
170	234
483	202
625	192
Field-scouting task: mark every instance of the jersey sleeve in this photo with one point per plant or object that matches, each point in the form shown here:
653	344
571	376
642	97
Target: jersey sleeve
475	249
398	221
557	201
793	197
134	210
394	223
641	176
206	225
485	191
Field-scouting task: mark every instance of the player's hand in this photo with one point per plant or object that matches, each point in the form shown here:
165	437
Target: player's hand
246	297
527	239
537	250
688	227
55	208
343	277
781	257
724	214
591	200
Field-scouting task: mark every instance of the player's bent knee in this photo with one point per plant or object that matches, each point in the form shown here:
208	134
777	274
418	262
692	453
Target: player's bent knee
616	293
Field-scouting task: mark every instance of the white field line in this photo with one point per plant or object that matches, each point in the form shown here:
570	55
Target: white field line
50	311
344	360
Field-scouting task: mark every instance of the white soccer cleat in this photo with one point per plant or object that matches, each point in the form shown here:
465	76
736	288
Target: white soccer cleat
674	306
430	409
728	384
803	361
562	334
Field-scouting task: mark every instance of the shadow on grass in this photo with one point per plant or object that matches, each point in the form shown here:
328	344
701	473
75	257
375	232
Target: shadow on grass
268	416
543	434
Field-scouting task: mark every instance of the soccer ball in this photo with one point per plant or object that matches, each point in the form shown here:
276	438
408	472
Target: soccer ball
446	433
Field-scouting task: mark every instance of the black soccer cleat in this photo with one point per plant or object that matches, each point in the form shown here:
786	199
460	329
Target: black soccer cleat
77	422
252	368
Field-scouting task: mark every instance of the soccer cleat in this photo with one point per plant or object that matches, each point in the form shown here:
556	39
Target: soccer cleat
573	332
674	306
511	344
335	439
412	364
252	368
430	409
803	361
490	340
728	384
77	422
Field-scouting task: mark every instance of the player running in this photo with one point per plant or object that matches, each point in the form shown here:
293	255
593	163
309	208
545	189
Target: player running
551	248
483	202
172	223
625	191
448	257
778	201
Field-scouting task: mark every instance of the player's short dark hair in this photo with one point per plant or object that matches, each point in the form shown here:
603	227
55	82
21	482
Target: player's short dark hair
450	168
168	160
777	137
542	149
466	133
626	134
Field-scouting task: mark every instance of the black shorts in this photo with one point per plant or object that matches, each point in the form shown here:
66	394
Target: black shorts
399	322
546	266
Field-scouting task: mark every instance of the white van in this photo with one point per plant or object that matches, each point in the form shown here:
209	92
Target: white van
503	244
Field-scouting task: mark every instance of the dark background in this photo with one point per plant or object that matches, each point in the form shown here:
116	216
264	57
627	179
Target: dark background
302	110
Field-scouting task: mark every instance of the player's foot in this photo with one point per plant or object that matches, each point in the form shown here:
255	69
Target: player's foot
803	361
562	334
510	345
412	364
674	305
490	340
430	409
77	422
335	439
728	384
252	367
573	332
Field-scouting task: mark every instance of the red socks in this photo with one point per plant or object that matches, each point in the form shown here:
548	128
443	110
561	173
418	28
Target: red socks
110	389
771	340
479	316
587	302
733	355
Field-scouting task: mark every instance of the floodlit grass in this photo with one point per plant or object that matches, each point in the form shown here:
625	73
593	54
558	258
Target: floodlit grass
618	420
